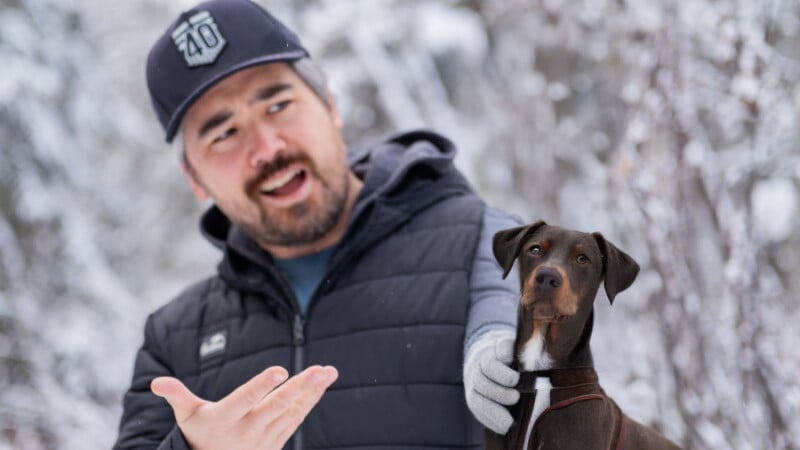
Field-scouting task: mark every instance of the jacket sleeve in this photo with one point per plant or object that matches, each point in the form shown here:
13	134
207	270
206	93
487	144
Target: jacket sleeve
147	420
493	300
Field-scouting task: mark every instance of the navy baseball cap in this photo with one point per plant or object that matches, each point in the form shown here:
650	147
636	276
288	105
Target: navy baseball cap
206	44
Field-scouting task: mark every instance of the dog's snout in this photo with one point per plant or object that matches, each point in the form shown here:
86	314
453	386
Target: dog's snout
548	278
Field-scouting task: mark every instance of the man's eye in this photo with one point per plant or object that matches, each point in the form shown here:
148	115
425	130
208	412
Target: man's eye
277	107
535	250
582	259
224	135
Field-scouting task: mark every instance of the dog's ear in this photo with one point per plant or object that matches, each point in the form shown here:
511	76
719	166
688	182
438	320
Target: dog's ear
506	244
619	269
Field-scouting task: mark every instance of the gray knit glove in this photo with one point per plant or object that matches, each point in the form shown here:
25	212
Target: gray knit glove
489	381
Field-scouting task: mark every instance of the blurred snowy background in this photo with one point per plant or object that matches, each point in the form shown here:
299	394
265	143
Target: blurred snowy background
669	125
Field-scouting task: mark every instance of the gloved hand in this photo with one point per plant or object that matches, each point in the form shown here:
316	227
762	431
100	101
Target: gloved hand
489	381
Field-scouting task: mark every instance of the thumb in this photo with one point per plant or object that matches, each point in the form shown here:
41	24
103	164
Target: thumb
183	402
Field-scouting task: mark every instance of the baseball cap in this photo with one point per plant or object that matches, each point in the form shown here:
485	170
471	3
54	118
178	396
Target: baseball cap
206	44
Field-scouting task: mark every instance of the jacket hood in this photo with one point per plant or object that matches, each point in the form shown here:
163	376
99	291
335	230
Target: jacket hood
386	166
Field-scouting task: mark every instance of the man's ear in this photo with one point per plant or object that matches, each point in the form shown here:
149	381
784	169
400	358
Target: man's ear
194	182
335	114
619	269
506	244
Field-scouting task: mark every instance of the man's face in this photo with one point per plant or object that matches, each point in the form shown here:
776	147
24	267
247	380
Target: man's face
269	152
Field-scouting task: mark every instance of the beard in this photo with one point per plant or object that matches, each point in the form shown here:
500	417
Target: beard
305	222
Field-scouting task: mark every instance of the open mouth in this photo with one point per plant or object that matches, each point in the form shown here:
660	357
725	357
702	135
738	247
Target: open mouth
284	184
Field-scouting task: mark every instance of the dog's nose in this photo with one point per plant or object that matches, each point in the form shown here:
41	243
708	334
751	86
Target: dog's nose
548	278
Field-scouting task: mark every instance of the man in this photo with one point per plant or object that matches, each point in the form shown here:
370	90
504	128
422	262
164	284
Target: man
375	273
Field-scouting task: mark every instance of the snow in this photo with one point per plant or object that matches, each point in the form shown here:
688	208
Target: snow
775	209
745	86
443	28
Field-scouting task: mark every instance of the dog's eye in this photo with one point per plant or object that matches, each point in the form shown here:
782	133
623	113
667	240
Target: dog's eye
535	250
582	259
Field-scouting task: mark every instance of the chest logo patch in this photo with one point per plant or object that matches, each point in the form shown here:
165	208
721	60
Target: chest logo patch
213	344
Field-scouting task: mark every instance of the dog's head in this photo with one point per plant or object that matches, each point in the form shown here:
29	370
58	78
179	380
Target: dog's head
561	270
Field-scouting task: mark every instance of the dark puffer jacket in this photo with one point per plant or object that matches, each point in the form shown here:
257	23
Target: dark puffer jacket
390	315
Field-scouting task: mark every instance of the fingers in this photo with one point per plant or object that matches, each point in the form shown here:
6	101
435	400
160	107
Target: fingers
183	402
284	410
287	406
247	396
498	393
262	413
492	415
499	373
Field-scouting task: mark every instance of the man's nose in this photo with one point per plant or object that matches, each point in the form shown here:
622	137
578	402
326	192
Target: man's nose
267	142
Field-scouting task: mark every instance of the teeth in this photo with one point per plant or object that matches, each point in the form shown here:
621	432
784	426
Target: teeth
279	182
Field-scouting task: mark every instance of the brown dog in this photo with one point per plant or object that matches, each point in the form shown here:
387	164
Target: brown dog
561	405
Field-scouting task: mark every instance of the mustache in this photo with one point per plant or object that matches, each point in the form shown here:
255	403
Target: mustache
280	162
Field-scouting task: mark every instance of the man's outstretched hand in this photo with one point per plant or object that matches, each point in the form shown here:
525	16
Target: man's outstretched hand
262	413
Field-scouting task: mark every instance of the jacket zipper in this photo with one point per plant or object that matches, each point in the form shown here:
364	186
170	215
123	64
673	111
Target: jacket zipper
298	341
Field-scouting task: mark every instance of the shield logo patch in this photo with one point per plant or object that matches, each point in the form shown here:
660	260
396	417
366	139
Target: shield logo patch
199	39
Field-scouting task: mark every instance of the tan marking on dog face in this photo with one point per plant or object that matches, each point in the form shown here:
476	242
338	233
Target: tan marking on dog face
553	303
584	289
